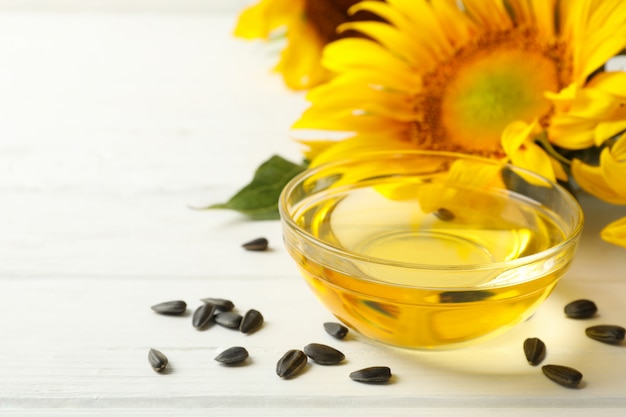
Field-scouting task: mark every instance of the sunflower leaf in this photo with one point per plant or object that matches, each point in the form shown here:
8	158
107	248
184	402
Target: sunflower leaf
259	199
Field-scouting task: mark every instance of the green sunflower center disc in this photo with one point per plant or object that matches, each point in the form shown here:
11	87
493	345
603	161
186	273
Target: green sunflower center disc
493	89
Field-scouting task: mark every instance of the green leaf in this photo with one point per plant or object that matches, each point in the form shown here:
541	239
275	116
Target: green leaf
259	199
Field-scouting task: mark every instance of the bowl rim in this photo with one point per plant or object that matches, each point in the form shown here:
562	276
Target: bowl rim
288	221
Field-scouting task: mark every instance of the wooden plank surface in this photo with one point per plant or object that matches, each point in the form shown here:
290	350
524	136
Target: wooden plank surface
113	124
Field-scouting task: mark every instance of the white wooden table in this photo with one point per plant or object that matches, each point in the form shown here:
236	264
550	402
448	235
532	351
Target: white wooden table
115	118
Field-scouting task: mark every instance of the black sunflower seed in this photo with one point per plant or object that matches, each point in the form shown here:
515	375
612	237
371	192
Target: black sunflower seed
464	296
203	315
580	309
563	375
220	303
158	361
171	308
228	319
251	321
291	363
535	350
233	355
336	330
444	214
374	374
259	244
606	333
323	354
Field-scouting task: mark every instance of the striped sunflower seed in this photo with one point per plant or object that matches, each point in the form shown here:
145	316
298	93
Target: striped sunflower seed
291	363
251	321
259	244
158	361
336	330
580	309
221	304
372	375
563	375
228	319
171	308
323	354
233	355
535	350
203	315
606	333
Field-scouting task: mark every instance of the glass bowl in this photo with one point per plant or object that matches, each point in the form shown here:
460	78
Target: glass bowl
429	250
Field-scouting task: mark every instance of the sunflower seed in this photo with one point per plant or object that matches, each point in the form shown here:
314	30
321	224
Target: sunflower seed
170	307
259	244
233	355
221	304
563	375
535	350
203	315
444	214
251	321
464	296
157	360
228	319
606	333
580	309
291	363
323	354
336	330
374	374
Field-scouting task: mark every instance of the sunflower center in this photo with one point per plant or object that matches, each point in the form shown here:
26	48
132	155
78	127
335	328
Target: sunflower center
470	100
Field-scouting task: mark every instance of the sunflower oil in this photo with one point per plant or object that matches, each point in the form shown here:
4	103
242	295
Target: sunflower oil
420	269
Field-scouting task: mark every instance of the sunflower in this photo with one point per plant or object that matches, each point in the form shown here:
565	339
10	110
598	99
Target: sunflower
307	26
517	80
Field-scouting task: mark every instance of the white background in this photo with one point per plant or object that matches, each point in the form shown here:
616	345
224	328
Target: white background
116	117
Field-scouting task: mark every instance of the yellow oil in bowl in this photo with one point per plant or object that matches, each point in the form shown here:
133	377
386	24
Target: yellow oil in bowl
408	250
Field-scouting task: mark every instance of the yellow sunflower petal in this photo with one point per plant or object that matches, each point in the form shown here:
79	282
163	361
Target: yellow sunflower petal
393	39
348	53
456	25
522	12
559	170
615	232
491	14
392	15
607	130
363	143
474	174
300	59
515	134
348	82
606	29
562	100
595	32
535	159
572	18
613	167
592	180
337	96
613	83
587	116
545	12
347	121
312	148
571	132
414	17
259	20
591	103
